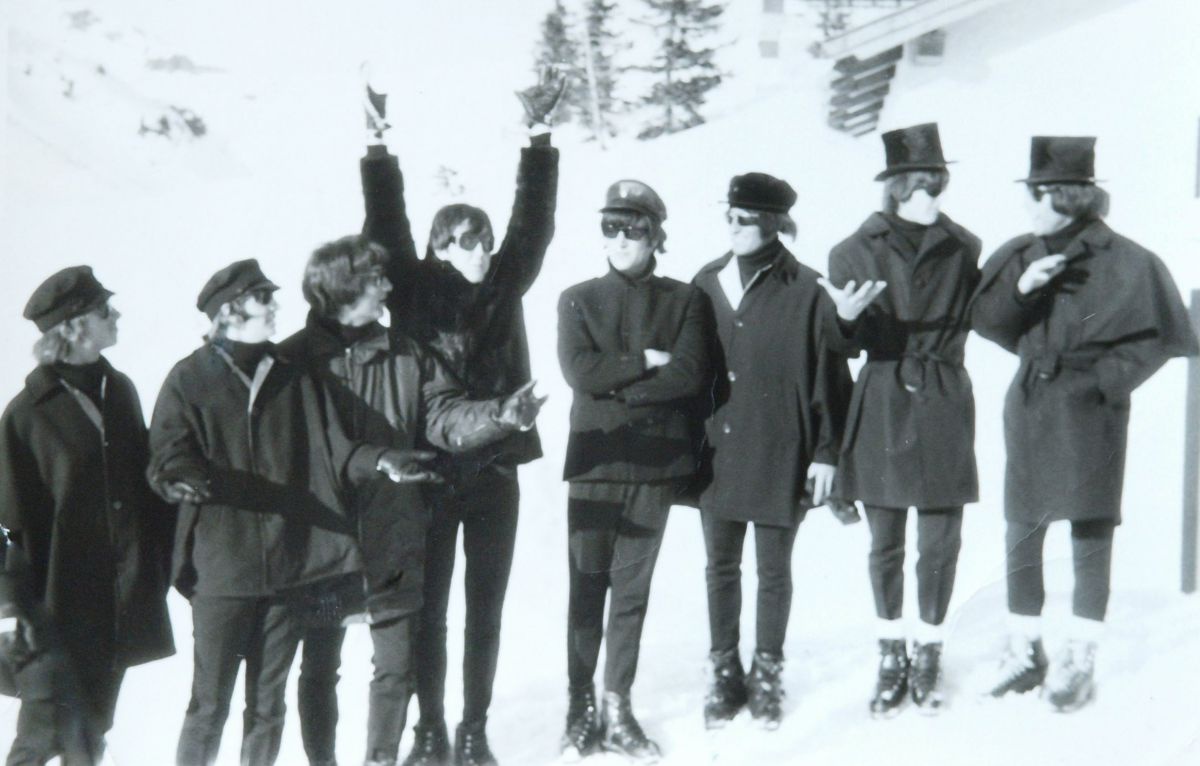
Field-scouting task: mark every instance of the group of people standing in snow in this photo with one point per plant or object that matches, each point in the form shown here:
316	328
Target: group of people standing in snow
289	490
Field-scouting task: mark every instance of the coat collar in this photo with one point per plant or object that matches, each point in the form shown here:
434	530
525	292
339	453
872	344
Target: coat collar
323	343
42	381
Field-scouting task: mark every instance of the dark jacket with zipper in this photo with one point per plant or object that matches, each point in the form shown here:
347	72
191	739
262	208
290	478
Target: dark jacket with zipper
630	424
477	331
387	390
910	437
779	393
94	541
278	465
1086	341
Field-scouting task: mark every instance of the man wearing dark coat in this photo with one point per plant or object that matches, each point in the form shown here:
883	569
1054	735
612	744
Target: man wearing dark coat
1091	315
387	390
904	282
633	346
464	302
91	543
243	440
779	396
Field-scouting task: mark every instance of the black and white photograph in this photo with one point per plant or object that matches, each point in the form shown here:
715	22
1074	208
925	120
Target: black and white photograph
538	382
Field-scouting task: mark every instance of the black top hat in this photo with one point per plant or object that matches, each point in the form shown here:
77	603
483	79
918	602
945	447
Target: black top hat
1061	160
759	191
64	295
235	279
915	148
635	196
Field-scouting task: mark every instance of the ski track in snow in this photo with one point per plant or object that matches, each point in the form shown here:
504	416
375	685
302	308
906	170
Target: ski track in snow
277	175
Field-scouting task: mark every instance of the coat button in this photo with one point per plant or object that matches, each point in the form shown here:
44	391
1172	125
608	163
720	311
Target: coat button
725	429
738	323
732	376
117	505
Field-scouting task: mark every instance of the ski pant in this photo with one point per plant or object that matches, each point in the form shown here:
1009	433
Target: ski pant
614	535
773	549
487	512
316	691
226	629
67	715
939	538
391	686
1091	549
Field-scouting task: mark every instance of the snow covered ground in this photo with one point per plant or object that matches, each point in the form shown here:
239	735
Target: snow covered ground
276	174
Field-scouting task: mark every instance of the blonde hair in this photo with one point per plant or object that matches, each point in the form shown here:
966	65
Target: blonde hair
56	344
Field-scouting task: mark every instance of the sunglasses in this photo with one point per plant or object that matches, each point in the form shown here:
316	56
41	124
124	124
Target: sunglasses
469	239
263	295
631	231
743	220
104	311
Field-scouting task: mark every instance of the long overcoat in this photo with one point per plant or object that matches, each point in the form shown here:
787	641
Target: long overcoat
278	464
96	540
1085	342
631	424
779	392
478	331
388	390
910	435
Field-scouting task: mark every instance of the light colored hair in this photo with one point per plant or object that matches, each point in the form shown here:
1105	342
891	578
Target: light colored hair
220	323
56	344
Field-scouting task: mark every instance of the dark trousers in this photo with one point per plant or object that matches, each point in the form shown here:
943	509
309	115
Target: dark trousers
226	630
316	691
487	512
723	541
1091	548
391	686
614	535
939	538
69	714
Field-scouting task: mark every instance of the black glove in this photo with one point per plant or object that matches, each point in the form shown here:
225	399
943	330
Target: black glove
403	466
540	100
520	410
847	513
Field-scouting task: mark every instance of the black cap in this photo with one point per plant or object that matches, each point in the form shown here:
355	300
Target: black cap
916	148
635	196
236	279
64	295
1061	159
759	191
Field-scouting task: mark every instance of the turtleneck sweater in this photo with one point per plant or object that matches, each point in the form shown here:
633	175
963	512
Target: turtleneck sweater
756	260
87	378
245	356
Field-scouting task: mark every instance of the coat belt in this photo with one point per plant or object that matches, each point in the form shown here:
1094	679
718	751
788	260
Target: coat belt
911	370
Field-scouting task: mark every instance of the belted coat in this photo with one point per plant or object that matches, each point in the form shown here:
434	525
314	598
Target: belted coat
95	541
779	392
910	435
1085	342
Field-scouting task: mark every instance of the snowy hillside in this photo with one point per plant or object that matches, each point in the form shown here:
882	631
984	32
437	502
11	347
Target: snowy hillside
275	174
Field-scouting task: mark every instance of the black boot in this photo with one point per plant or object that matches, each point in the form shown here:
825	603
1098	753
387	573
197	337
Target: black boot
431	745
764	689
1071	685
925	677
583	734
471	746
726	690
1022	667
892	682
623	734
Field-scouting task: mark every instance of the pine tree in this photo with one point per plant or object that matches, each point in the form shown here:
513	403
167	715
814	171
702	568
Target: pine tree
558	48
599	53
685	73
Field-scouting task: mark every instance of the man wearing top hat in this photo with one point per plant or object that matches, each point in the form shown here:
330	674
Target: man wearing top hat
1091	315
243	440
904	281
90	541
633	347
779	396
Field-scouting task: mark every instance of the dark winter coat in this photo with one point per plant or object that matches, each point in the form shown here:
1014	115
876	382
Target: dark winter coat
1085	341
630	424
478	331
277	463
389	391
910	435
779	392
94	540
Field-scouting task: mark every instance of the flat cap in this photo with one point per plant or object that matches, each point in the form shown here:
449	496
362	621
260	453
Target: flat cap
759	191
64	295
230	282
635	196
